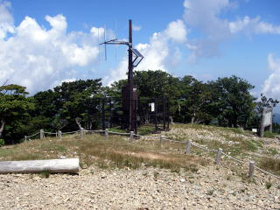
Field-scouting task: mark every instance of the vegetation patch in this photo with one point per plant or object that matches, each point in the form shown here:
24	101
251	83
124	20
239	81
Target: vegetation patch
2	142
116	152
271	164
269	134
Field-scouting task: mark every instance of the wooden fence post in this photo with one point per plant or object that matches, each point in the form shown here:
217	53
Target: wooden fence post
82	133
59	134
218	156
42	136
160	139
251	169
131	138
188	147
106	134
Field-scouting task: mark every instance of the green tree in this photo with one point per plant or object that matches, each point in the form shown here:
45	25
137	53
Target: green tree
234	101
264	102
156	84
14	107
195	98
69	104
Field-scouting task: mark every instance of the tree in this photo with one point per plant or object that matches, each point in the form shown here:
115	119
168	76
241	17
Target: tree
156	84
234	101
195	97
14	107
264	102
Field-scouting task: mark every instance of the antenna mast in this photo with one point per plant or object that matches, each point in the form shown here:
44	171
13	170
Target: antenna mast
129	91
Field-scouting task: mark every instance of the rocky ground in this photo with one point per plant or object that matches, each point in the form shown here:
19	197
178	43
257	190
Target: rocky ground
146	188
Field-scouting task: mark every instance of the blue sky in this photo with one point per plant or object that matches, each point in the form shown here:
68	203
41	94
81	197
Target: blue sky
43	43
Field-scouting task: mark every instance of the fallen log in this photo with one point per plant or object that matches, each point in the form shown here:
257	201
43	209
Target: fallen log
36	166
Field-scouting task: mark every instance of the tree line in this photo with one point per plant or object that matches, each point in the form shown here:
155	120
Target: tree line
224	102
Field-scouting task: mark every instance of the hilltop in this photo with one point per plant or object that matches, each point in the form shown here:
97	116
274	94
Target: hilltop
116	174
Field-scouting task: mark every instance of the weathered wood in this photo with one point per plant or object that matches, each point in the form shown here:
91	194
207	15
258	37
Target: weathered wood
188	147
160	139
106	134
251	169
59	134
82	133
42	134
131	138
35	166
218	156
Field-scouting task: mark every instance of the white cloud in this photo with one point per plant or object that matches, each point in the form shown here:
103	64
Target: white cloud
203	15
271	86
156	53
176	31
207	18
38	58
6	19
255	25
97	32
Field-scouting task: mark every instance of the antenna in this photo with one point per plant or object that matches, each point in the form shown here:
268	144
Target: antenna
134	58
105	47
5	83
116	38
98	46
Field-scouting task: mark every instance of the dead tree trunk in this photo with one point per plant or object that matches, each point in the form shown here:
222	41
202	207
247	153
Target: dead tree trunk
78	121
36	166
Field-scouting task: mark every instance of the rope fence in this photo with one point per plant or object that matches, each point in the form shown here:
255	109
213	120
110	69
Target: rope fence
219	152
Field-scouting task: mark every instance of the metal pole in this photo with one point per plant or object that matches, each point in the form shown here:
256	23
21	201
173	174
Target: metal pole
130	77
135	116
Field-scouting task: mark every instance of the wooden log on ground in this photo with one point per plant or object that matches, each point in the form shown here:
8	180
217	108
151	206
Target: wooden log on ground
36	166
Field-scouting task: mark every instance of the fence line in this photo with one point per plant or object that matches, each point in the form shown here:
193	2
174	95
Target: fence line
235	159
33	135
189	144
50	133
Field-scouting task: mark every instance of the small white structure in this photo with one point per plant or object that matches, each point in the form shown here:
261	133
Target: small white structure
152	105
266	120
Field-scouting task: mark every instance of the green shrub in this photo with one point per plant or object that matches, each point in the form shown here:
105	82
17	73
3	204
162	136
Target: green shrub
268	185
2	142
45	174
268	134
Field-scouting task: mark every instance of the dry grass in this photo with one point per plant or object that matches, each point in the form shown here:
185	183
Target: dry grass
115	152
271	164
232	140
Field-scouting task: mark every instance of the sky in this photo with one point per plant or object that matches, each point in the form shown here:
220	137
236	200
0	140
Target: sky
43	43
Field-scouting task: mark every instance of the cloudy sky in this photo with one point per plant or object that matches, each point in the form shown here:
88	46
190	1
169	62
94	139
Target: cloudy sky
43	43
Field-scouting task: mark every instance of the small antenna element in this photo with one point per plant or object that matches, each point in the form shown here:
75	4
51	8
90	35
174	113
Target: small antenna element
105	47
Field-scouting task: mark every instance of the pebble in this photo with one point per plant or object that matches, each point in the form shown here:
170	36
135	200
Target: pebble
129	189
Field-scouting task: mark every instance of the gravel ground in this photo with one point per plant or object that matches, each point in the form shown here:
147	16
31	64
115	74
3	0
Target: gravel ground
145	188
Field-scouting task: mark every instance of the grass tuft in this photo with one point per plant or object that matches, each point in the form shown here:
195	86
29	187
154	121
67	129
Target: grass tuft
269	134
271	164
